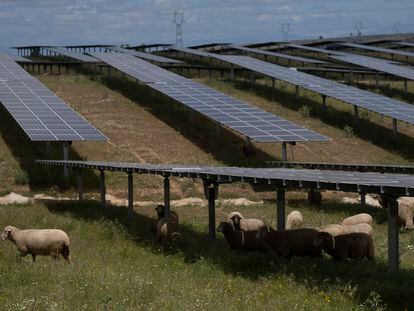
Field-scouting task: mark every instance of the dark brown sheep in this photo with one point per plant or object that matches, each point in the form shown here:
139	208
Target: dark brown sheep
239	239
161	213
297	242
351	245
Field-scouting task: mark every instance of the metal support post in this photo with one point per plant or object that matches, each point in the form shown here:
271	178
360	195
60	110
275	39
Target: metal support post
80	184
363	199
405	85
102	188
393	252
356	116
394	127
297	90
281	209
212	211
284	152
166	196
65	158
130	192
376	79
231	72
324	103
273	83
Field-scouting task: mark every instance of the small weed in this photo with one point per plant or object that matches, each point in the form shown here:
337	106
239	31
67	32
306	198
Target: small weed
21	177
305	111
374	302
348	131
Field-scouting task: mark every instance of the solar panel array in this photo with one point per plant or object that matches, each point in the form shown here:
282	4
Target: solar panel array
348	94
275	54
250	121
377	64
148	56
322	179
378	49
313	49
406	43
38	111
65	52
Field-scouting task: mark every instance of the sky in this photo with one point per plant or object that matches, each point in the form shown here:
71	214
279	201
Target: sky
67	22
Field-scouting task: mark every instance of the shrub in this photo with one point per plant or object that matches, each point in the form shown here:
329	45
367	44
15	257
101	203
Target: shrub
305	111
21	177
348	131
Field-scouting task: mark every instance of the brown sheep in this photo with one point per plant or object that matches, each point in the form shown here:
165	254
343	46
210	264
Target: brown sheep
351	245
161	213
297	242
42	242
239	239
314	197
167	230
240	223
358	219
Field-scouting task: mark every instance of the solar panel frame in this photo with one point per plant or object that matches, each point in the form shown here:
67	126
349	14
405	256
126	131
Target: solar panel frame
230	112
65	52
147	56
378	49
348	94
37	110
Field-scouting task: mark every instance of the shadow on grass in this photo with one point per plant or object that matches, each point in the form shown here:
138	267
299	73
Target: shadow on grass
364	277
367	130
223	144
26	152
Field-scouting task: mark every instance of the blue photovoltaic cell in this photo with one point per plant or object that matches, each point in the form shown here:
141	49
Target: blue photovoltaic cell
275	54
248	120
65	52
348	94
37	110
147	56
378	49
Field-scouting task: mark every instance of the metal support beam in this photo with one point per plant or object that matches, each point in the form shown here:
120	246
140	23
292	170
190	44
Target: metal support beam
284	152
394	127
80	184
130	192
102	188
356	116
324	103
363	199
281	209
65	158
212	211
166	196
393	252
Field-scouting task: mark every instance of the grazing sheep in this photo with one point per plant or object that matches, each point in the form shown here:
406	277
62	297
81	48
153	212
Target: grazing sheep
239	239
240	223
336	230
297	242
358	219
405	217
314	197
167	230
351	245
294	220
42	242
161	213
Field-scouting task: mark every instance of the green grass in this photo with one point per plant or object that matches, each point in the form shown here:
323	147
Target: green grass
118	266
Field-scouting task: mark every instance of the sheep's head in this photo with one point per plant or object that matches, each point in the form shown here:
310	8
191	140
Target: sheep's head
6	233
324	240
160	211
235	218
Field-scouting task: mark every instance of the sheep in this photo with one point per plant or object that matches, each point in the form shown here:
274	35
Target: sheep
161	213
405	217
236	239
294	220
335	229
358	219
240	223
297	242
351	245
42	242
167	230
314	197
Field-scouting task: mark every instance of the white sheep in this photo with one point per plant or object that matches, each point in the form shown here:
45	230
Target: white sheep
240	223
42	242
294	220
405	217
335	229
358	219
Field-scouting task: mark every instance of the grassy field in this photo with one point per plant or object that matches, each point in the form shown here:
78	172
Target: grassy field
118	266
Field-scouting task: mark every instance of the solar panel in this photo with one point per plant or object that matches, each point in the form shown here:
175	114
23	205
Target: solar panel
378	49
38	111
148	56
275	54
313	49
241	117
406	43
348	94
20	59
323	179
65	52
189	51
377	64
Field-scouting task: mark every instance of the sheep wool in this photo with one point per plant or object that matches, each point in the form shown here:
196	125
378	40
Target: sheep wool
358	219
294	220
